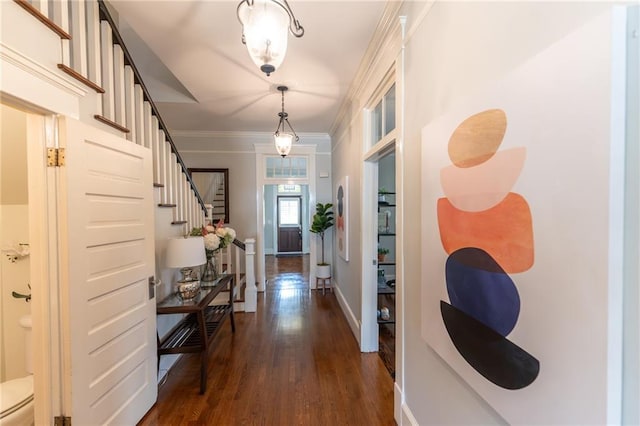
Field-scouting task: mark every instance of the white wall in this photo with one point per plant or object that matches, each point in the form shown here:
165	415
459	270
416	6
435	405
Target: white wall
462	47
14	228
453	49
242	185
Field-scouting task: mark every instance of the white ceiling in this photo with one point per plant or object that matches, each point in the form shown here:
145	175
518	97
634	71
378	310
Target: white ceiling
201	78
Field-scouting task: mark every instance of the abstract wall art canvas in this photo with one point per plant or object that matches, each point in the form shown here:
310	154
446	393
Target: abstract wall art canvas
341	210
517	273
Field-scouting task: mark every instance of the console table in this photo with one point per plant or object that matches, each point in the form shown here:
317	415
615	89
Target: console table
195	332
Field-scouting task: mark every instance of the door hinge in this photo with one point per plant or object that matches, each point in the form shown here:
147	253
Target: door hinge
61	421
55	157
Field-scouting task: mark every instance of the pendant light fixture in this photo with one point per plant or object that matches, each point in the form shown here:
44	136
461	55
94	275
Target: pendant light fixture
265	24
284	140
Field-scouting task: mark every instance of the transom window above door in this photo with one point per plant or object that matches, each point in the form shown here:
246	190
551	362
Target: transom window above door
288	167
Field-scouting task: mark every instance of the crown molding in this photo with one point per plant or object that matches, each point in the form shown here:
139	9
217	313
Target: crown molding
267	149
242	135
386	35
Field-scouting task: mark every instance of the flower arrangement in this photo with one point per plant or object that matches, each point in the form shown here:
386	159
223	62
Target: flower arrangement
215	237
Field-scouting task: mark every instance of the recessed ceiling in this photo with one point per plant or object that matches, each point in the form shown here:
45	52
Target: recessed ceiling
201	78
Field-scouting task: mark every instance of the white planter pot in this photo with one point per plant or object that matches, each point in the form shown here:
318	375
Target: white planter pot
323	271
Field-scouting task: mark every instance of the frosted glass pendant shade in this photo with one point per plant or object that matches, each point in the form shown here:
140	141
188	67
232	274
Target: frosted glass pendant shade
265	29
283	143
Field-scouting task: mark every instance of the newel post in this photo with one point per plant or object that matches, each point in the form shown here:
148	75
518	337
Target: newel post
251	291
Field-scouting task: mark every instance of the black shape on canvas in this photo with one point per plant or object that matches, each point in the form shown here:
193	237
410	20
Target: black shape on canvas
476	258
493	356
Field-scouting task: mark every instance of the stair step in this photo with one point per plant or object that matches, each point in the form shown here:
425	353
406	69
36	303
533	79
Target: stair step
111	123
167	205
178	222
158	185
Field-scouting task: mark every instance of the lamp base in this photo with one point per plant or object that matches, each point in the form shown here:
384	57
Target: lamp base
188	289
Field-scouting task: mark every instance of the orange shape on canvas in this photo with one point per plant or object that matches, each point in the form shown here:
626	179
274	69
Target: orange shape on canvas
504	231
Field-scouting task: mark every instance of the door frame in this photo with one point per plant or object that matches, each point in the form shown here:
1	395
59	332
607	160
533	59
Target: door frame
262	152
48	363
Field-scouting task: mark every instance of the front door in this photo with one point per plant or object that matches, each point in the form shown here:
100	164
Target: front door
108	312
289	224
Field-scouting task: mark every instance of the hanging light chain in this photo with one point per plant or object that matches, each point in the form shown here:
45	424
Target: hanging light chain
284	117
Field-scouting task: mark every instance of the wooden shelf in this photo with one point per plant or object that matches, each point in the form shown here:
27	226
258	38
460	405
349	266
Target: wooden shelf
386	290
195	332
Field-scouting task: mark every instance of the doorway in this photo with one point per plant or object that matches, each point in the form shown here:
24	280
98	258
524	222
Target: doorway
15	264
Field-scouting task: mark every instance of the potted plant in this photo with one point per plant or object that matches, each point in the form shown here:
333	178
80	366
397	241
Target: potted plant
382	191
382	253
322	220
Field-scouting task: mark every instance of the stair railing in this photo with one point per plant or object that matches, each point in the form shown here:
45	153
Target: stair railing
94	53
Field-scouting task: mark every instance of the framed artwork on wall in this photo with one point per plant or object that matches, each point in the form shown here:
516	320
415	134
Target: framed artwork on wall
342	217
213	186
516	294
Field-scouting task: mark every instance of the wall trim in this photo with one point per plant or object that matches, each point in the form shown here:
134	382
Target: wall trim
353	322
41	72
408	417
297	149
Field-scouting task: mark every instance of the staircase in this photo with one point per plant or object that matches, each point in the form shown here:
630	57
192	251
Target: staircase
93	53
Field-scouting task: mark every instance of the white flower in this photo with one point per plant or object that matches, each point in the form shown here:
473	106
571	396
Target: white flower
210	229
211	242
226	235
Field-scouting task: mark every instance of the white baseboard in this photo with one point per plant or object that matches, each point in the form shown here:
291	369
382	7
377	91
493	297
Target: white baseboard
407	417
348	313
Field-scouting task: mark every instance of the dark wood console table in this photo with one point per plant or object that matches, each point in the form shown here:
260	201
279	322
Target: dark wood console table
195	332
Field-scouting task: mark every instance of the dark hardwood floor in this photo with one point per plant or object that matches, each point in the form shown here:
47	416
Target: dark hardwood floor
294	362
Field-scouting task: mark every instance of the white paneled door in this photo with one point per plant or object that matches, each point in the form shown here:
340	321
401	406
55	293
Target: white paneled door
108	312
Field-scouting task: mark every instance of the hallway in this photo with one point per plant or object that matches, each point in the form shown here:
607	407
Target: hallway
293	362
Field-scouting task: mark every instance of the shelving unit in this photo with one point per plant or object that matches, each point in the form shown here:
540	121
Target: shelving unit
386	267
386	281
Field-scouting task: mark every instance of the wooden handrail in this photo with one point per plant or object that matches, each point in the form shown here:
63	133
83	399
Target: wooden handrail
240	244
117	39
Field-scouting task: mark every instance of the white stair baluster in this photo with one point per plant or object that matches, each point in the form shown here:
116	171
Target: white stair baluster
119	84
133	113
108	103
78	37
251	291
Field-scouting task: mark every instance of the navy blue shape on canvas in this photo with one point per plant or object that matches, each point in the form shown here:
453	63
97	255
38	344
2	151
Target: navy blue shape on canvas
493	356
478	286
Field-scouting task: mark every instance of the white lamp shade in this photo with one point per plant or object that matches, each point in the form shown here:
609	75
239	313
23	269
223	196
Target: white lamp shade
265	25
185	252
283	143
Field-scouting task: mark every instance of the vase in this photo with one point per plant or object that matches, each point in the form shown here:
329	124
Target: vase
209	272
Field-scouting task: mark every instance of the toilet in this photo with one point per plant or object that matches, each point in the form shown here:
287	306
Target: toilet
16	396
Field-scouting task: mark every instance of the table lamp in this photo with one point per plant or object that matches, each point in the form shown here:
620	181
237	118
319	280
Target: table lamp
185	253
